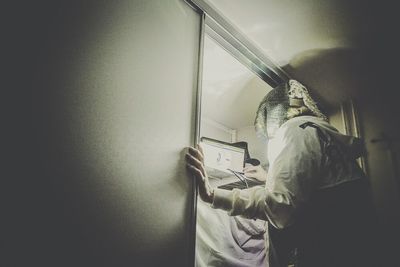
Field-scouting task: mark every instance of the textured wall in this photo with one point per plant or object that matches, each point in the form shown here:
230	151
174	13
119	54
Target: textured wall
113	96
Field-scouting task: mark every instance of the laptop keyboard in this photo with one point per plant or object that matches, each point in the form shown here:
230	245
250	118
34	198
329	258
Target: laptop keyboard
241	185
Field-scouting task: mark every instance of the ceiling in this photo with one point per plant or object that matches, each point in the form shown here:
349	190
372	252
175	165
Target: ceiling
283	29
316	42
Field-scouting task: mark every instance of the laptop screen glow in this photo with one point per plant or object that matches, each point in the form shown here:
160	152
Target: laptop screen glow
219	157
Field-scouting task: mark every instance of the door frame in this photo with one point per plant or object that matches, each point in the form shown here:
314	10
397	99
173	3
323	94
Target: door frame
222	31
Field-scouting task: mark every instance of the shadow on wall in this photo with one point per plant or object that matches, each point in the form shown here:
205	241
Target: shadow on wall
369	77
332	75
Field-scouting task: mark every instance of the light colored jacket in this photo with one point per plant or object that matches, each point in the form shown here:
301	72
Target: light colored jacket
301	161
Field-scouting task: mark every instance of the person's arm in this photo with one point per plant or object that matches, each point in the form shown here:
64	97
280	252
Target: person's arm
291	179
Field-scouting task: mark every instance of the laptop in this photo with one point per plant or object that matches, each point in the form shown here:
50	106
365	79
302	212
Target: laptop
221	158
224	164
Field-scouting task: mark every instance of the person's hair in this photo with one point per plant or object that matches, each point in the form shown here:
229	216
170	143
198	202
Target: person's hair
298	111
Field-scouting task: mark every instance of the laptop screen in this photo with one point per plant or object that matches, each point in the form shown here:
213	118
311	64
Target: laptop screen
219	157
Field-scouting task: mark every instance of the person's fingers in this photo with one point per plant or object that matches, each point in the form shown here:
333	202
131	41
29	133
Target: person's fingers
250	168
193	159
197	163
196	172
196	153
250	174
200	149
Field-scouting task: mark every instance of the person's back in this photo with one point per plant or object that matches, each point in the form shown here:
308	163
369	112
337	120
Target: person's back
337	225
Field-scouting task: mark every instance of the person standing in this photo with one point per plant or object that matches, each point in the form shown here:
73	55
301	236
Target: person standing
316	198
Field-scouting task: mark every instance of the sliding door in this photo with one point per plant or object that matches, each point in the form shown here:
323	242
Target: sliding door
114	106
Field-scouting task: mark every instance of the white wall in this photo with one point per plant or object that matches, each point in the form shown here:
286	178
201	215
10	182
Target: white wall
335	118
216	130
257	145
114	105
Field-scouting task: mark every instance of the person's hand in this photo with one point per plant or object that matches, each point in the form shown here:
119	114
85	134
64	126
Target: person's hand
195	165
256	172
